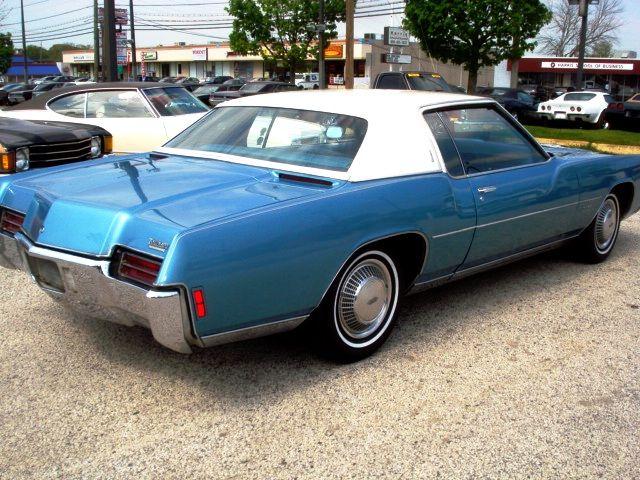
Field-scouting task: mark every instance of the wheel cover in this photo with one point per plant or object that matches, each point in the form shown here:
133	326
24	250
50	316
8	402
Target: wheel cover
365	298
606	225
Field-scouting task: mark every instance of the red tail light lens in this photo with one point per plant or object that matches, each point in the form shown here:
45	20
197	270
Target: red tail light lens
199	303
621	106
573	109
138	268
579	109
11	222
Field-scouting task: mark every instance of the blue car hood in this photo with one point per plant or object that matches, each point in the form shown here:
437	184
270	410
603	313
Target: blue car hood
92	207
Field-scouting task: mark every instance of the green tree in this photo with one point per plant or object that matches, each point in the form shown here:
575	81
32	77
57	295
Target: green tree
475	33
35	53
602	49
55	51
278	29
6	52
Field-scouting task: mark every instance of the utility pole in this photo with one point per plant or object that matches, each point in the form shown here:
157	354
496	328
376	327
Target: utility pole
348	66
96	43
24	44
321	73
584	13
133	40
109	54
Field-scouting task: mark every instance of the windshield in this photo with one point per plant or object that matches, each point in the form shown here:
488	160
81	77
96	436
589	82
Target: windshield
579	97
206	89
174	101
284	135
427	81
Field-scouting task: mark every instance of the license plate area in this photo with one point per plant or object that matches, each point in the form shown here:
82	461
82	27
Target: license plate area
46	273
561	115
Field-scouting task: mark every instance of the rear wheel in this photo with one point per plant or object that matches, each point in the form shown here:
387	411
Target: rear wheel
602	122
596	242
360	309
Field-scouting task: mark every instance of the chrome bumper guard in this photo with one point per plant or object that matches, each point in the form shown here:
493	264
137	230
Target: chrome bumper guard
84	286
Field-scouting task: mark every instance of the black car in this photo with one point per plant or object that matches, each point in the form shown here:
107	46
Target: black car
517	102
7	89
218	80
20	95
46	87
231	85
252	88
205	90
190	83
426	81
28	144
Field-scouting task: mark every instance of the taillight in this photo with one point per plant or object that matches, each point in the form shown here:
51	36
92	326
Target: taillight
579	109
573	109
620	106
11	222
138	268
199	303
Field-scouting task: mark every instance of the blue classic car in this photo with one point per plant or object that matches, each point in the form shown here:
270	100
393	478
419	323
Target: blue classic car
319	207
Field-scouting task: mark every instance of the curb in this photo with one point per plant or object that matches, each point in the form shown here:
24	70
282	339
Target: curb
598	147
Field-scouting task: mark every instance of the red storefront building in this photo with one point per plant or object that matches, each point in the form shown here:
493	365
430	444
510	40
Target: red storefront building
620	76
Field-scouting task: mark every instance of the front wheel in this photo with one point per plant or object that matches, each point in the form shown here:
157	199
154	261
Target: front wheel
597	241
360	308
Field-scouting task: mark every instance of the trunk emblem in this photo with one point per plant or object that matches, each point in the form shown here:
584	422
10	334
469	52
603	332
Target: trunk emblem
158	245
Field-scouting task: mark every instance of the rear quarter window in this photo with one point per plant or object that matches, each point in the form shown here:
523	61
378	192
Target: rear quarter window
579	97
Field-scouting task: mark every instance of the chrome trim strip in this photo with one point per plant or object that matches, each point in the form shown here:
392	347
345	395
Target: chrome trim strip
252	332
460	274
454	232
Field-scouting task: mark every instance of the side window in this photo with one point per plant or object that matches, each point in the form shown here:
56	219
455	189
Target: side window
445	144
70	106
116	104
392	82
486	141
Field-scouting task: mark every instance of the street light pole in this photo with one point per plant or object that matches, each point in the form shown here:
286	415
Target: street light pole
584	13
109	55
24	44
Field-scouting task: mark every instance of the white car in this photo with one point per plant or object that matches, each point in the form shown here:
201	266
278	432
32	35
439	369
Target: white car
139	116
583	107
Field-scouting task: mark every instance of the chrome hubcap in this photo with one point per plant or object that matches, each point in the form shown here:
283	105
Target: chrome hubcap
606	224
364	298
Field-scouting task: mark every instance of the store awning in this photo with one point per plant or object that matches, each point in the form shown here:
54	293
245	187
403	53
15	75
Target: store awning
33	70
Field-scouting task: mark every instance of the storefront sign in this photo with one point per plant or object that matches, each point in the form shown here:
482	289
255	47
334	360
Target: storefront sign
82	57
587	66
396	37
396	58
122	15
199	53
333	51
121	47
149	56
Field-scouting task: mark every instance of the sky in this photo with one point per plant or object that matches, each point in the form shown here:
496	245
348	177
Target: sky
72	20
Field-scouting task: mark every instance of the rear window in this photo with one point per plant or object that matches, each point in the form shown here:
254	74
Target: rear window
428	82
579	97
284	135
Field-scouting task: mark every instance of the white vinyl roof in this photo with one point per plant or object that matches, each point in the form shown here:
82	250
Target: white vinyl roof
397	143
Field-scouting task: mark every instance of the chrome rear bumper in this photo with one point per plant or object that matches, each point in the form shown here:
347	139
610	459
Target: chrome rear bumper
86	287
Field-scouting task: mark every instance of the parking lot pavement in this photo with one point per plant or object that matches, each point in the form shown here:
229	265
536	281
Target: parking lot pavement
532	370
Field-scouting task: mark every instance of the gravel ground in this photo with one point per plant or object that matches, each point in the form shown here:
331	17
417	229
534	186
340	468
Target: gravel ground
528	371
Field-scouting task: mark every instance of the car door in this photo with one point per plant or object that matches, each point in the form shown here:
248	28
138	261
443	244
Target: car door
524	198
128	117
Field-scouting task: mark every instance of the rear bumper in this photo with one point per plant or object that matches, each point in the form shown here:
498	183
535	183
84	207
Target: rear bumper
85	286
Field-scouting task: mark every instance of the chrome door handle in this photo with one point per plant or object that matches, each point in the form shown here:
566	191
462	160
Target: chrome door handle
486	189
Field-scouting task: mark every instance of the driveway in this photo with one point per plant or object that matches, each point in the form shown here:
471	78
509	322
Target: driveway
532	370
